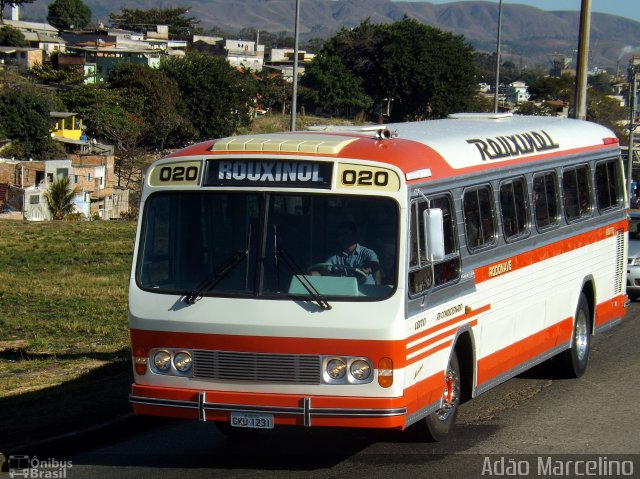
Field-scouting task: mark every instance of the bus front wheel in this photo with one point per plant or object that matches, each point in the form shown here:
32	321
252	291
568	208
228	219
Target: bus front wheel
437	425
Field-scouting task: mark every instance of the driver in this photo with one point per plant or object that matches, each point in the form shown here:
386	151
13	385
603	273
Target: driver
354	259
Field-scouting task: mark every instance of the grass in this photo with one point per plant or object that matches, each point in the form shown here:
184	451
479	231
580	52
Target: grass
63	297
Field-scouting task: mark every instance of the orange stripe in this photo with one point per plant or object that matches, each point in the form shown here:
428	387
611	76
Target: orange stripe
513	263
429	352
449	333
524	350
610	310
449	322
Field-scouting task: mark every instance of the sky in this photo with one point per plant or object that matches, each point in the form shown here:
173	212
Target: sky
624	8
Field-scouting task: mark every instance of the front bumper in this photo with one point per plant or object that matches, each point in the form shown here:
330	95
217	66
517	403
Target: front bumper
292	410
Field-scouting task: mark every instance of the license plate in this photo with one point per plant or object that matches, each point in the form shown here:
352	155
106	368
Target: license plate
253	421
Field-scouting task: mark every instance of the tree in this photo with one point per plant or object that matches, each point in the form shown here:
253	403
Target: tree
606	111
532	109
219	99
60	198
24	116
274	91
429	73
331	86
46	73
4	3
142	20
424	72
552	88
68	14
601	81
12	37
156	98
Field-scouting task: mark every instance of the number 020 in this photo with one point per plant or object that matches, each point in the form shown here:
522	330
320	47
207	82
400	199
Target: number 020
178	173
365	178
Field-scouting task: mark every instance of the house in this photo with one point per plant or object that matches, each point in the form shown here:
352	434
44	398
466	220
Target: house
281	60
517	92
40	35
89	165
98	50
91	169
245	54
98	60
22	57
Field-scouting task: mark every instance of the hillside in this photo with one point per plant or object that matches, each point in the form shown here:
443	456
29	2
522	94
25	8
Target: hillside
530	35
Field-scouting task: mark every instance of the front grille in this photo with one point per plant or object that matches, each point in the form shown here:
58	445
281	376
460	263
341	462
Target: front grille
256	367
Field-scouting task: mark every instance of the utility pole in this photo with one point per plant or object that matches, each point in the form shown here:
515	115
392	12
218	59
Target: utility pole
580	109
294	90
497	86
634	64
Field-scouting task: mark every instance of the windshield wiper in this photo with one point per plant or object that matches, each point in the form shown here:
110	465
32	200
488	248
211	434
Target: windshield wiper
215	277
304	281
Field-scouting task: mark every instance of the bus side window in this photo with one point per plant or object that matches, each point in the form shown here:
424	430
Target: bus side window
577	194
448	269
545	200
479	217
608	185
514	207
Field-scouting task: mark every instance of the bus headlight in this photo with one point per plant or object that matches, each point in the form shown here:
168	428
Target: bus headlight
346	370
182	362
360	370
162	361
336	369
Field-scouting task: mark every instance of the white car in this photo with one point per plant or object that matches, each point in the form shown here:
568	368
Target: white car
633	259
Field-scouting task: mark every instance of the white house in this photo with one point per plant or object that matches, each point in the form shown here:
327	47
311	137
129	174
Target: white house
517	92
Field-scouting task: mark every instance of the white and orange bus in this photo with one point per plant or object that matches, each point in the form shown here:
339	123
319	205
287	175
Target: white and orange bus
492	243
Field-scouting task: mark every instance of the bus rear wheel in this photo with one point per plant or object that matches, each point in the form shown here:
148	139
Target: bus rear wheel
575	358
437	425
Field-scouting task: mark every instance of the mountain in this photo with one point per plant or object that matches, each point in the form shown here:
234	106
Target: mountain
530	36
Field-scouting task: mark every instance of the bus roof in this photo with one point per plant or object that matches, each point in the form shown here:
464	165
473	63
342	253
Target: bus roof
461	144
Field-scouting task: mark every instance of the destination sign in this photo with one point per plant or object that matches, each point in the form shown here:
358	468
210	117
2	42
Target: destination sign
273	173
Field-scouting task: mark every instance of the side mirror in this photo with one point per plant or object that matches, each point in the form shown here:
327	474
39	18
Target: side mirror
434	233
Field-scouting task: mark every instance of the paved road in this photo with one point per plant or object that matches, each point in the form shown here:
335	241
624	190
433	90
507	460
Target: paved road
531	424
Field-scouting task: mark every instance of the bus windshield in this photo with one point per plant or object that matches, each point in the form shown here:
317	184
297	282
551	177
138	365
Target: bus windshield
265	244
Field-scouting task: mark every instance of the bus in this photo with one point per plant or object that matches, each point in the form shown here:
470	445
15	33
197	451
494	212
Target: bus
376	276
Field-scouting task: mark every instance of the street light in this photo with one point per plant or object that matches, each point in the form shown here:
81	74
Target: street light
495	96
634	68
294	91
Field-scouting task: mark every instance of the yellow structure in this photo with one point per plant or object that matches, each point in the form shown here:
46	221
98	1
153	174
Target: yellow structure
66	125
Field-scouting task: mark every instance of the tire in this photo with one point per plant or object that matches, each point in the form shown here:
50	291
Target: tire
576	358
438	425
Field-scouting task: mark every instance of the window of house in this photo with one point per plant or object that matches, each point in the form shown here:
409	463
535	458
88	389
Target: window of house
545	200
76	179
514	208
479	217
577	193
34	199
49	177
62	172
421	270
608	185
